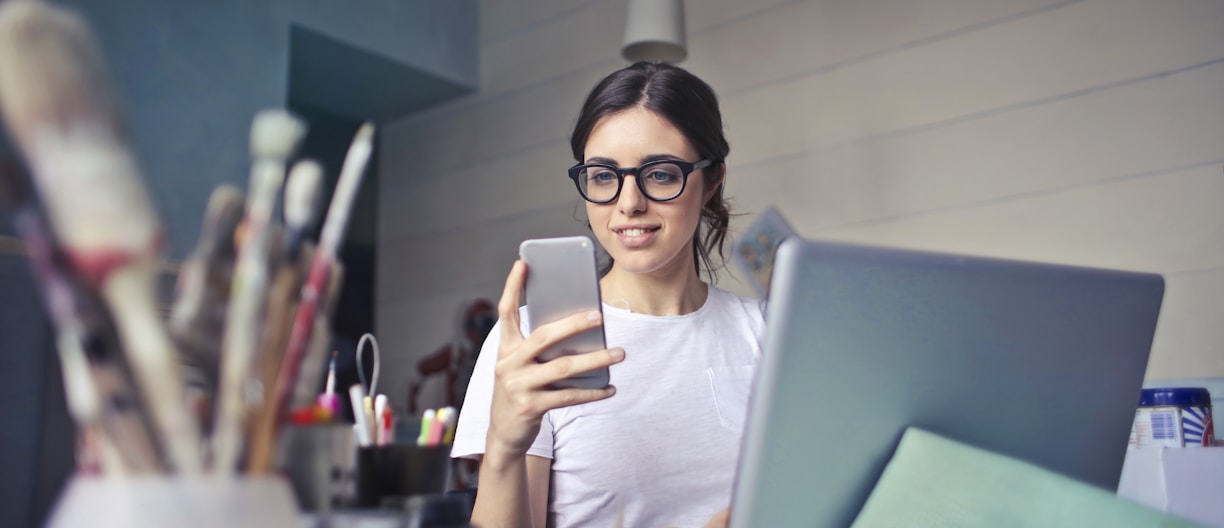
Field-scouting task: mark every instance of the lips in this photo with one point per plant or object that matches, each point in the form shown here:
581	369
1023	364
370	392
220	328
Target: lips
635	236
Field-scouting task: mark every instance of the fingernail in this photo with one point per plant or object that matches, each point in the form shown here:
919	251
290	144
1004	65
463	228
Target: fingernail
594	316
611	389
617	353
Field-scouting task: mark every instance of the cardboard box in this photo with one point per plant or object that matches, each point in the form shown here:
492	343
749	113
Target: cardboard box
1187	482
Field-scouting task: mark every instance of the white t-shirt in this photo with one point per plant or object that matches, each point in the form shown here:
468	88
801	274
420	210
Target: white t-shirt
664	448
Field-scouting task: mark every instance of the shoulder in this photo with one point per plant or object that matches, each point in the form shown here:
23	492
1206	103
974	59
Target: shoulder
736	303
747	312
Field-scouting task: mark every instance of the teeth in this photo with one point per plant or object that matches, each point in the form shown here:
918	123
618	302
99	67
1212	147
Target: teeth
633	232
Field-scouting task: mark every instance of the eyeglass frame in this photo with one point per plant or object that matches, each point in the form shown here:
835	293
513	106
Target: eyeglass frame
686	169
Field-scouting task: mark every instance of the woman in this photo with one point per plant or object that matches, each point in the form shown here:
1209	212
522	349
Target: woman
660	447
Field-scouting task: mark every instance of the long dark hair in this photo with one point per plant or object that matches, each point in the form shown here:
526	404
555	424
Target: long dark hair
690	105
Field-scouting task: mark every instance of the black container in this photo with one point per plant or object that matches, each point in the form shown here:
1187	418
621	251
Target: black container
388	474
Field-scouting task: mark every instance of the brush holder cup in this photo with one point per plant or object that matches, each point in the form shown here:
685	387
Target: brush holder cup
319	461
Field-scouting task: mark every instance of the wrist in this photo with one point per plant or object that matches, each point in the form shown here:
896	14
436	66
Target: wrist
500	456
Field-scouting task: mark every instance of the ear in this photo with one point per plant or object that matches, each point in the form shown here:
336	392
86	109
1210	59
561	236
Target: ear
710	190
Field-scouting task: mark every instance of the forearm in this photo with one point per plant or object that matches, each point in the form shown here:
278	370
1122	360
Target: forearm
503	497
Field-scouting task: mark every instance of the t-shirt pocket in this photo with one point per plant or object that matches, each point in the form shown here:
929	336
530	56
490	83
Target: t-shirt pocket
731	387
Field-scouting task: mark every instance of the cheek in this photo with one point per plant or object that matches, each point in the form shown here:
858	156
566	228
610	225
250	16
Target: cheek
592	212
597	218
692	207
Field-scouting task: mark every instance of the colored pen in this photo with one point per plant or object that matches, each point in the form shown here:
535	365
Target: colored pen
370	417
451	418
438	429
380	406
388	426
362	427
427	422
328	400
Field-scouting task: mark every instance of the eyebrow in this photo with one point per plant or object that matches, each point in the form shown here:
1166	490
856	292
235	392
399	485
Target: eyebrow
645	159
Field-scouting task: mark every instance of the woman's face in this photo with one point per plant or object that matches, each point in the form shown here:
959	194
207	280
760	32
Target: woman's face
645	236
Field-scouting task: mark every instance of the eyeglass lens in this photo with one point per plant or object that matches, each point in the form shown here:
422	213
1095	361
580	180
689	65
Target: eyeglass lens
659	181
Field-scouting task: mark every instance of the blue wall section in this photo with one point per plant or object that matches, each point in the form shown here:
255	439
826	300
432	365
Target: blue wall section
192	74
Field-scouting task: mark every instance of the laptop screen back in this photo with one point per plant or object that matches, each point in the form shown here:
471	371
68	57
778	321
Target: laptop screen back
1039	362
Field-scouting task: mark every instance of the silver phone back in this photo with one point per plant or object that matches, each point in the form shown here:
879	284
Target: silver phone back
561	281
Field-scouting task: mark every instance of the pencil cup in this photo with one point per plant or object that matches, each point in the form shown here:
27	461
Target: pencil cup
388	474
319	461
182	502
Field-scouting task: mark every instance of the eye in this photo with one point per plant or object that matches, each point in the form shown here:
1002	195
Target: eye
663	176
600	176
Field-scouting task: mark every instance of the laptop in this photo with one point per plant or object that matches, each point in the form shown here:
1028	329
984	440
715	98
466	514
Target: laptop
1039	362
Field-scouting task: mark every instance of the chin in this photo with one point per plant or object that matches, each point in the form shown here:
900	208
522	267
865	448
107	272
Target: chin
643	261
637	266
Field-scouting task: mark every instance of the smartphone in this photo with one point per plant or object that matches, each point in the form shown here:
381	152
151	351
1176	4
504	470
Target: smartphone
562	281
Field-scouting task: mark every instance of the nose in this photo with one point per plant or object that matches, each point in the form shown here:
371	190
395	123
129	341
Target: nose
631	200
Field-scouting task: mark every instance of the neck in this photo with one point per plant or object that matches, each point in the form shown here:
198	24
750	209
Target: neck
675	290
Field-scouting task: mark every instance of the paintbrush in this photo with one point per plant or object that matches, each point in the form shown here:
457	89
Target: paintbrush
314	359
61	113
320	276
305	391
282	303
98	390
274	136
301	203
197	319
301	196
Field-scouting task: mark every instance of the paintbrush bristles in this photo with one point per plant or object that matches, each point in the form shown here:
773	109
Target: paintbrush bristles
275	133
301	192
50	70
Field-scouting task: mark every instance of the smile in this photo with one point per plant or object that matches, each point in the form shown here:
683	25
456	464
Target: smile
635	237
635	231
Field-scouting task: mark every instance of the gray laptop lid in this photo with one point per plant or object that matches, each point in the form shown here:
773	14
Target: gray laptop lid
1039	362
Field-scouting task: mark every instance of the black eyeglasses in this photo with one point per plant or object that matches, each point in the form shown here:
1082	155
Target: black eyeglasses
660	180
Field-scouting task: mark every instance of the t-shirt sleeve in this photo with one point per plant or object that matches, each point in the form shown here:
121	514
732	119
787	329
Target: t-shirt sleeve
473	423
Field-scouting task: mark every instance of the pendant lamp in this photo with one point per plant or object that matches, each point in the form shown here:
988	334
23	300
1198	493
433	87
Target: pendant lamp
654	31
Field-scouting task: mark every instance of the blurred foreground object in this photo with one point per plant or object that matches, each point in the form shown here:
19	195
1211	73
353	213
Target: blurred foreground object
60	111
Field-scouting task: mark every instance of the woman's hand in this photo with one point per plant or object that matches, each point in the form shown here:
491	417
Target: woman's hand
720	519
520	393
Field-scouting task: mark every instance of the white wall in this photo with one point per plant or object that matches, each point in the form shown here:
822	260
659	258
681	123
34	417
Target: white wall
1085	131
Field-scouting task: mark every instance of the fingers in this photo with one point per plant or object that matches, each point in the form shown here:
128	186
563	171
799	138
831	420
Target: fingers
552	333
567	397
508	306
544	374
512	349
720	519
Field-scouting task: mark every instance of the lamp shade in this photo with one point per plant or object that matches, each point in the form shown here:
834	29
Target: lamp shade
654	31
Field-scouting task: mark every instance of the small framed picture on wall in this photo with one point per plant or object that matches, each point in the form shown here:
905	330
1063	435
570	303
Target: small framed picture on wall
755	247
